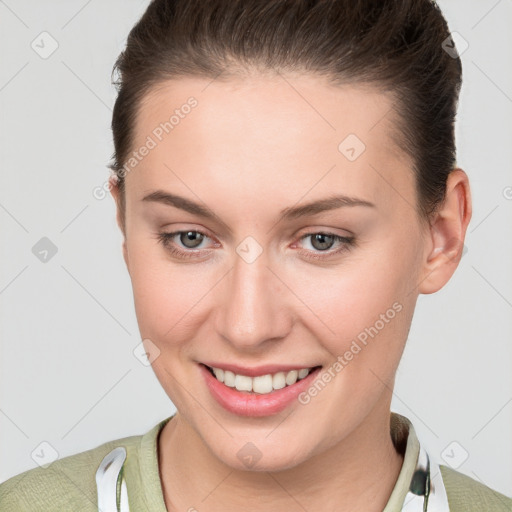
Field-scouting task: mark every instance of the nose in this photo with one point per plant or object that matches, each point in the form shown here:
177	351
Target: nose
253	308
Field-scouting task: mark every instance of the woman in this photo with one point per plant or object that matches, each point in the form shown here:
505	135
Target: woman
285	182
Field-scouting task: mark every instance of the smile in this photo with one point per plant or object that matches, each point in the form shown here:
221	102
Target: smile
268	391
262	384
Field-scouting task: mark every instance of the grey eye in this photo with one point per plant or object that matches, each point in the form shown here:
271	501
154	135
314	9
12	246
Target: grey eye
322	241
191	239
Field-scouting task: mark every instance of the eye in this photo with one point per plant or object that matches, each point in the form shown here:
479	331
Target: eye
323	241
190	239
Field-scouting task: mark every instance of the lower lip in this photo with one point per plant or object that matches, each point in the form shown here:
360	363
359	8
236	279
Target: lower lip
255	405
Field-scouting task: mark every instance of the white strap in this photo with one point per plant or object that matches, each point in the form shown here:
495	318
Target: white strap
125	507
107	477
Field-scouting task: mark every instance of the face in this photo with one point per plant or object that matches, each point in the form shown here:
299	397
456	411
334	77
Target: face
252	279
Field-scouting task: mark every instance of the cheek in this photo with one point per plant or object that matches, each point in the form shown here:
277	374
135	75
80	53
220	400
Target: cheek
166	295
365	306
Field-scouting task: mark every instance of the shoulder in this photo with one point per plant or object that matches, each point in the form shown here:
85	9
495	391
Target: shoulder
468	495
66	484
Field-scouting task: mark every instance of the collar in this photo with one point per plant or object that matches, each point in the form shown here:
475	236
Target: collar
419	487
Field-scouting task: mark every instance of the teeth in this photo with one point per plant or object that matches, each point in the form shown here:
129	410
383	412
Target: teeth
219	374
303	373
243	383
279	380
229	379
291	377
262	384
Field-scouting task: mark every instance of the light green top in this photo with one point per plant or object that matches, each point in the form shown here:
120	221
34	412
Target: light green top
69	483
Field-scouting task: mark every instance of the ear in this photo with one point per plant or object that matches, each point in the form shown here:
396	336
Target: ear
446	234
114	190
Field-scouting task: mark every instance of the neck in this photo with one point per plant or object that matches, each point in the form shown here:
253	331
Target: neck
358	473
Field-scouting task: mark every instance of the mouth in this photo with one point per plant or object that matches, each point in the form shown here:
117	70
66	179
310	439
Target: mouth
261	384
256	396
259	395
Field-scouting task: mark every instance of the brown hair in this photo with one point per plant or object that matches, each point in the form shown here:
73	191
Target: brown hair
396	45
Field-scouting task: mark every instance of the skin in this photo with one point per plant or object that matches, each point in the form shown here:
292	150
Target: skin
251	148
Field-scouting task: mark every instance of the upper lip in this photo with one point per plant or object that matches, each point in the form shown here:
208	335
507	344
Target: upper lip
256	371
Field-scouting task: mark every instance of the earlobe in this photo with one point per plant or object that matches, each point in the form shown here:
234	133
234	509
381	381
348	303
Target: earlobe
447	233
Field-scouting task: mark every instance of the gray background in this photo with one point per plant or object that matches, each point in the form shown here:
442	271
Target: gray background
68	376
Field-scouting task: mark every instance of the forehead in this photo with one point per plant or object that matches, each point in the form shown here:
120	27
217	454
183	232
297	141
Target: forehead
262	133
263	105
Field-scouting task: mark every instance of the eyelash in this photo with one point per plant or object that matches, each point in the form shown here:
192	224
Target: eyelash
166	238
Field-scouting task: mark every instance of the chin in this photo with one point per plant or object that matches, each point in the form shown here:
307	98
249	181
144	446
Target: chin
260	456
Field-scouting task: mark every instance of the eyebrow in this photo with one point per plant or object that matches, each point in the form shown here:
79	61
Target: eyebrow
290	213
